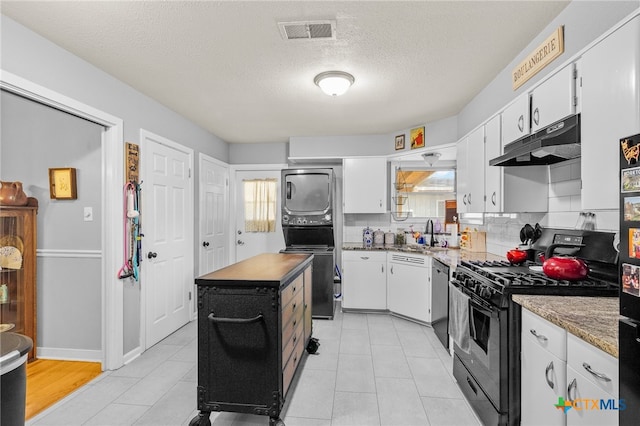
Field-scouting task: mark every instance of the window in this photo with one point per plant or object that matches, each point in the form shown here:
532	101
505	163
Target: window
421	192
260	197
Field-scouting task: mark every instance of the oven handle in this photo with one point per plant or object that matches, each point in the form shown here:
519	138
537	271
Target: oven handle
257	318
288	190
492	312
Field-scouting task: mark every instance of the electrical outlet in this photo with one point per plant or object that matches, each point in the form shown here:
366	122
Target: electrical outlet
88	214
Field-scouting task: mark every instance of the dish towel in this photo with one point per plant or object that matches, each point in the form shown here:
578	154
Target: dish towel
459	318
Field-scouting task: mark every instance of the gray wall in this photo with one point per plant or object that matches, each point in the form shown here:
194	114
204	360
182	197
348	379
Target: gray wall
583	21
261	153
30	56
34	138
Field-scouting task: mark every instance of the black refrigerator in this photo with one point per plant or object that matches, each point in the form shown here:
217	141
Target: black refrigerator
629	265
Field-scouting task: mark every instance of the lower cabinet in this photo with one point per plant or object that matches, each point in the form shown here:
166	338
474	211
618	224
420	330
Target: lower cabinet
592	384
560	368
364	280
543	377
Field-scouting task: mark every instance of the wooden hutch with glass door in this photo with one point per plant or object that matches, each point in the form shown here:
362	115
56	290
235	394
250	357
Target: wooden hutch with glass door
18	270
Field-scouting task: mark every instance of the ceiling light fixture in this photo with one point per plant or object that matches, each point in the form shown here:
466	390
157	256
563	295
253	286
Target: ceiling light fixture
431	157
334	83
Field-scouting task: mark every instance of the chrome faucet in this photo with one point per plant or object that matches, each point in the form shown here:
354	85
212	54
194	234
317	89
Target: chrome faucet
427	231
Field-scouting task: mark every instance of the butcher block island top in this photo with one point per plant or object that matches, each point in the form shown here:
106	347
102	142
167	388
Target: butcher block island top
268	269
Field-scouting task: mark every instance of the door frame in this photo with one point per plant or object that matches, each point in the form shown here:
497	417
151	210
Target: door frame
145	136
201	158
233	195
112	150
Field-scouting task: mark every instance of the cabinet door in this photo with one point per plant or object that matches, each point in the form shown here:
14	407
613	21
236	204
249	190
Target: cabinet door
364	280
554	99
462	184
475	171
610	111
515	120
492	174
365	185
410	291
543	380
583	392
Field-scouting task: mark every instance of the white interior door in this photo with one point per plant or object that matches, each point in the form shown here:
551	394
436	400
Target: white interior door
248	244
167	214
214	215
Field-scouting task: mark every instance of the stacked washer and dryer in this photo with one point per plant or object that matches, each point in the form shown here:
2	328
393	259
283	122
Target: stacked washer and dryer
308	223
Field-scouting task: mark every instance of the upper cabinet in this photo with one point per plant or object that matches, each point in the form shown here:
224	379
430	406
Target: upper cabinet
554	99
365	185
470	174
610	75
515	120
493	175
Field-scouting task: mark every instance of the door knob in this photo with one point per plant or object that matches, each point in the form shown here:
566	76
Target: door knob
239	232
240	242
152	255
205	244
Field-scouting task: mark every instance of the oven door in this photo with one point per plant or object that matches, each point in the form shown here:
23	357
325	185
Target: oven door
487	329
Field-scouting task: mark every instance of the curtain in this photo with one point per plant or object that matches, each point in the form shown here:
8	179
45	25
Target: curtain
260	205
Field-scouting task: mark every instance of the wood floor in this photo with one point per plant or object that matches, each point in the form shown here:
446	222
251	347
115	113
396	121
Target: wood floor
48	381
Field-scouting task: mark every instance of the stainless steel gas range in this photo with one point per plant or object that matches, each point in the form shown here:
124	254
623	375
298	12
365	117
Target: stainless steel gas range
487	369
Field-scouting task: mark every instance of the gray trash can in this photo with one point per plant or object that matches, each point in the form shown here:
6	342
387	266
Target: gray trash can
14	349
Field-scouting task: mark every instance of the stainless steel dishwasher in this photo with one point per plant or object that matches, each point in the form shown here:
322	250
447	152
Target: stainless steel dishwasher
440	282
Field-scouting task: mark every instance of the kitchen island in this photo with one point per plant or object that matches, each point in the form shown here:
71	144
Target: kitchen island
254	322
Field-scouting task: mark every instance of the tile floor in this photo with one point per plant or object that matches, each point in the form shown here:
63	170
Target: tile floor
371	369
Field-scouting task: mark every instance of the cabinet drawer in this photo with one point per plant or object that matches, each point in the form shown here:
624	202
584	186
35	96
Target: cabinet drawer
582	357
290	368
291	290
549	336
288	345
293	311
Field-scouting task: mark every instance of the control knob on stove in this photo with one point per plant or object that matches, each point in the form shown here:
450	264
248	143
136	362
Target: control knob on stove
485	292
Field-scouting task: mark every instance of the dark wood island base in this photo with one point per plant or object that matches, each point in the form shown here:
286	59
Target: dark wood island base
254	322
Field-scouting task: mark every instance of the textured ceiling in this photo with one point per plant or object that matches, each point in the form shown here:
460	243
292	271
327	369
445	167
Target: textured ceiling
225	66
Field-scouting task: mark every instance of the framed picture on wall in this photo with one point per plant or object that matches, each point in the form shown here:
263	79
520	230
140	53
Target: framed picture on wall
399	142
417	137
62	184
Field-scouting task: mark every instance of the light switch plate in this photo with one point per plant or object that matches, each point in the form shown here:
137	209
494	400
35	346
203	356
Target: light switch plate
88	214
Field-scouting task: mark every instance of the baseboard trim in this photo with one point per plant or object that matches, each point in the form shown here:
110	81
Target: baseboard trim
66	354
131	355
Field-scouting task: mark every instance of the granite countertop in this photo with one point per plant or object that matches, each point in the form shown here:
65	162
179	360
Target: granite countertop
448	256
593	319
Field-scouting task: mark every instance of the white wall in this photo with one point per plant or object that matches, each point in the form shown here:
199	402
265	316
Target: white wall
32	57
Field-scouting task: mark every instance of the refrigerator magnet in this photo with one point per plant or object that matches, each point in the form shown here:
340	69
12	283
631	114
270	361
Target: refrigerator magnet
631	209
630	148
631	279
630	180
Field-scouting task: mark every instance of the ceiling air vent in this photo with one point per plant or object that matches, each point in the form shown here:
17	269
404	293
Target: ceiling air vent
309	30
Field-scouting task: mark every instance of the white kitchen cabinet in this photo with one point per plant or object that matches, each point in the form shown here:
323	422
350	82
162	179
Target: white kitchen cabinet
492	174
470	177
554	99
364	280
515	120
365	185
580	373
610	75
543	372
409	285
592	374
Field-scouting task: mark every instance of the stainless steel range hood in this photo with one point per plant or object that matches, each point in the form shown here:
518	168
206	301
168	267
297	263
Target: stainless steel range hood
558	142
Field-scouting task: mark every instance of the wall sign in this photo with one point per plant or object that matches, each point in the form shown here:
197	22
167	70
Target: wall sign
542	56
62	184
132	162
